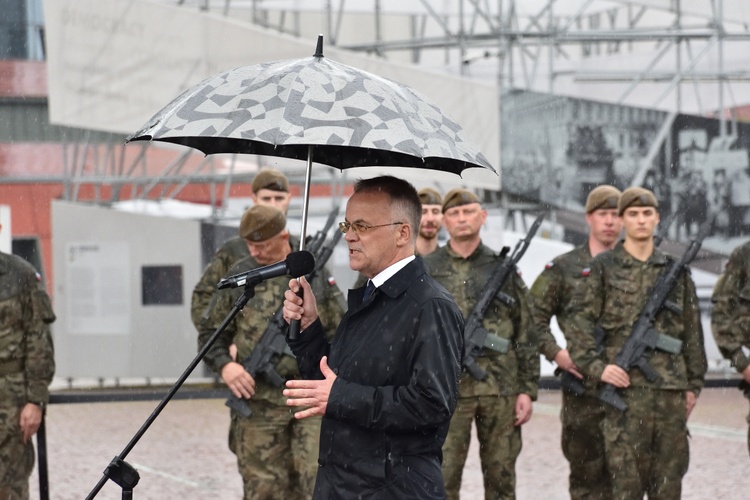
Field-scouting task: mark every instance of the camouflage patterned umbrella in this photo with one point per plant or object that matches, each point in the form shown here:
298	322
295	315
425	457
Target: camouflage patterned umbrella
317	110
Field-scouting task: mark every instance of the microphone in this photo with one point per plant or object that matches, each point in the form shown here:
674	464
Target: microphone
296	264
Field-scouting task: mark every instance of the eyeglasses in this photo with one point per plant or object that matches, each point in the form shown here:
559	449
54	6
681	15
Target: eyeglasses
360	227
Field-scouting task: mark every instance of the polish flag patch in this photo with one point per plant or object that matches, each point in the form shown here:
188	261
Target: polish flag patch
586	271
331	280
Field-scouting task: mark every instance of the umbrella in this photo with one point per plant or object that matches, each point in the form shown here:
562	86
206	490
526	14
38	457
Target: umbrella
314	109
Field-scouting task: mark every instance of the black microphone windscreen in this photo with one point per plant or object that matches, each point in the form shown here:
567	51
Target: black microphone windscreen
300	263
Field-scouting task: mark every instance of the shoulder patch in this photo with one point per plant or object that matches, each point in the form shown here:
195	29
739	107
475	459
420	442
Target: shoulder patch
38	277
549	265
585	271
331	280
518	272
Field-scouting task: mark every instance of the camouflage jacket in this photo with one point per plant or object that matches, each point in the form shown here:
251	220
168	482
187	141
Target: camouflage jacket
730	318
614	295
27	361
246	329
231	252
553	293
509	374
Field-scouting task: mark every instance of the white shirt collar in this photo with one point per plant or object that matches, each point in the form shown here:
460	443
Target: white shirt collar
389	271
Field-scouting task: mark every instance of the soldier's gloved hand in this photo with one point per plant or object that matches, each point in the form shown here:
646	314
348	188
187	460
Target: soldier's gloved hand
238	380
565	362
616	376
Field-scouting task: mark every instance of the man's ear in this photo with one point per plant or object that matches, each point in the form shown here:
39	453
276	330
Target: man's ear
404	235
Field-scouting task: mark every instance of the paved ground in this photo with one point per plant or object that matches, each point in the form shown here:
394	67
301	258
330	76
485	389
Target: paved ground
184	453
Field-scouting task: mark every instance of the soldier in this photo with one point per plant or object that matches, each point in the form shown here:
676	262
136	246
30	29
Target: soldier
27	365
270	188
553	293
730	318
432	221
502	402
276	454
646	446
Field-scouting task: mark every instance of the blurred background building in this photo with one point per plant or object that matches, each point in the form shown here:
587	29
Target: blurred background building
559	95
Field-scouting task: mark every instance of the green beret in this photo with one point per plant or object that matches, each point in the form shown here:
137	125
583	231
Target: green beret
604	196
270	178
261	222
636	197
428	196
457	197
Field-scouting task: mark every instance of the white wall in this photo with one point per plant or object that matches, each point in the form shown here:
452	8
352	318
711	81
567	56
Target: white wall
103	330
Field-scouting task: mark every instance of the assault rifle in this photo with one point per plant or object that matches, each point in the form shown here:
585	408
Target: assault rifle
273	341
644	334
570	382
476	337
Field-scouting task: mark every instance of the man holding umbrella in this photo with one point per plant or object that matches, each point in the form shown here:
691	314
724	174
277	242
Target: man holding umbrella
276	454
387	385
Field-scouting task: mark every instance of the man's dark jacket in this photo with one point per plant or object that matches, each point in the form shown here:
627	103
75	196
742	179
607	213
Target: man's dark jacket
397	358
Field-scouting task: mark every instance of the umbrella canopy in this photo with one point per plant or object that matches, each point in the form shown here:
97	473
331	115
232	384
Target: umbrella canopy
315	109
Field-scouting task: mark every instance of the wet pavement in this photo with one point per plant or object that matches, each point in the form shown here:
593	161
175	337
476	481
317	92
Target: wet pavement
184	453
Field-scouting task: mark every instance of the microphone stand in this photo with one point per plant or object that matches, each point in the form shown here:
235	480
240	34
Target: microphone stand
122	472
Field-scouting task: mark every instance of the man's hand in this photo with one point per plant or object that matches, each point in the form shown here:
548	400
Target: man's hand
30	420
616	376
523	409
238	380
311	393
690	400
296	308
746	374
565	362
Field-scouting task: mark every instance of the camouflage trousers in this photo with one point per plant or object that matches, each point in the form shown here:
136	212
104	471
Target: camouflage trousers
277	455
16	458
647	445
499	445
583	447
748	433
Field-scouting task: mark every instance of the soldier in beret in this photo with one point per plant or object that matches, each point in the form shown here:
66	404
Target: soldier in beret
502	402
554	292
431	222
276	454
270	188
646	446
730	317
27	364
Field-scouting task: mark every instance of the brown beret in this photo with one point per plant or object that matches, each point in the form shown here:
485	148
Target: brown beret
604	196
636	197
457	197
270	178
261	222
428	196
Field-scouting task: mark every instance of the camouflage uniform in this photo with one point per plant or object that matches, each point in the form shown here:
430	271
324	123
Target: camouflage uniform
27	365
730	318
554	292
276	454
646	446
231	252
490	401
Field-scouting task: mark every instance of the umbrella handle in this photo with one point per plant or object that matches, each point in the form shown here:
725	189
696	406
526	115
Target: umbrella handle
294	325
